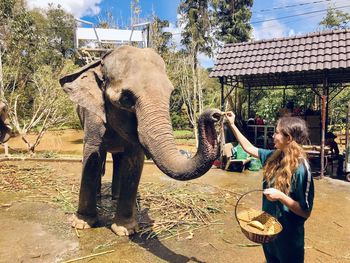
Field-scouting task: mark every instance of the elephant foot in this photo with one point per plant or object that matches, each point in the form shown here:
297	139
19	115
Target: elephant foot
127	229
83	222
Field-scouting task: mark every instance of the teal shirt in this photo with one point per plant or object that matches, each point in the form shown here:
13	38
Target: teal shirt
290	242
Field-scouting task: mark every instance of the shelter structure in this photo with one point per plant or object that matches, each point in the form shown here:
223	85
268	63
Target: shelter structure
317	61
90	42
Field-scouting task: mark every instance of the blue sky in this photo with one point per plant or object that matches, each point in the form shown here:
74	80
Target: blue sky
271	18
165	9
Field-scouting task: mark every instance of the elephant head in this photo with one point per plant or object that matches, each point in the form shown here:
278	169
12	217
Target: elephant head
5	129
134	81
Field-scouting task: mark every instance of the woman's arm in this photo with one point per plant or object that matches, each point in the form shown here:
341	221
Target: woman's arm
273	194
243	141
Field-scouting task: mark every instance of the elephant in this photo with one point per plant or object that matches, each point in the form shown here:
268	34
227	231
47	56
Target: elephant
123	105
5	129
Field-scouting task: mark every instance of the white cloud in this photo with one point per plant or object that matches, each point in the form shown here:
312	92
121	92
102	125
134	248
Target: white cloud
297	24
78	8
269	29
205	61
291	32
176	31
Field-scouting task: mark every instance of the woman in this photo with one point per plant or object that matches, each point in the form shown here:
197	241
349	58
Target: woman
288	186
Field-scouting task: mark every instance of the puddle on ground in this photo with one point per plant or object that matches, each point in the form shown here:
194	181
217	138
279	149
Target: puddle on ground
33	232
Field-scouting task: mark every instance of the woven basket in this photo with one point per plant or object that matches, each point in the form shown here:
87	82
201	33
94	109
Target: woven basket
271	226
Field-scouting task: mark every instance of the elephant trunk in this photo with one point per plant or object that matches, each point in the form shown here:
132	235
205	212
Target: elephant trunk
156	136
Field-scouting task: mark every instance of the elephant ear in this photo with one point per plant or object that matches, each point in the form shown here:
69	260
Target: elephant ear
5	128
5	132
84	88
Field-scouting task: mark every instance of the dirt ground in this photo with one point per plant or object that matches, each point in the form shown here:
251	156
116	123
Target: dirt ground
35	209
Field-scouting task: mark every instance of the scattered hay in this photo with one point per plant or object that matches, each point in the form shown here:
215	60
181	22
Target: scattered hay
177	211
40	183
15	178
164	210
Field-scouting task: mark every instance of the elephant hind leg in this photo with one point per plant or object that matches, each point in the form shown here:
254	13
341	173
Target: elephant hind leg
102	167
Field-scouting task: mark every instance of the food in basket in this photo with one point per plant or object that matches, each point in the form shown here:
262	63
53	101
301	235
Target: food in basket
256	224
271	230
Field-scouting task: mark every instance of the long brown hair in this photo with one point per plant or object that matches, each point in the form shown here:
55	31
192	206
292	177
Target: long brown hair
281	165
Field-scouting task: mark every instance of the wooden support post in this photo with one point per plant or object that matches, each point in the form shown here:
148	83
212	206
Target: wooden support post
346	164
236	93
324	116
222	94
323	131
249	109
327	107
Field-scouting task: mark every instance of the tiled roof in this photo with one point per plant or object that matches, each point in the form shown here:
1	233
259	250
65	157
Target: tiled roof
317	52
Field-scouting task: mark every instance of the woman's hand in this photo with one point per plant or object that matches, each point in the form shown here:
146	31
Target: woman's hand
272	194
230	116
242	140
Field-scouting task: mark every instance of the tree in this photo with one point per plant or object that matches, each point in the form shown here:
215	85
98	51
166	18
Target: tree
232	19
335	19
48	107
60	29
160	40
196	38
135	12
34	45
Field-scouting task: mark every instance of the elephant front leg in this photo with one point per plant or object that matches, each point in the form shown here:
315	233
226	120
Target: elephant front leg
129	172
93	161
116	178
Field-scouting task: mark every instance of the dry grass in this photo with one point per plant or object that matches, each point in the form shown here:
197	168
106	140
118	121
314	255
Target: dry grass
178	211
39	183
164	210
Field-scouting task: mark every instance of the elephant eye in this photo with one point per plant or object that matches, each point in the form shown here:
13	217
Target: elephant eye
127	99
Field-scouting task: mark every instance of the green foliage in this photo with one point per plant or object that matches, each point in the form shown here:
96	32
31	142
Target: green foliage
160	39
183	134
232	20
33	59
338	107
180	74
22	45
60	29
37	38
179	120
6	10
335	19
268	106
268	103
211	90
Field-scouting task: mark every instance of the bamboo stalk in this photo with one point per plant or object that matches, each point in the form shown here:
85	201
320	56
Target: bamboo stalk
89	256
